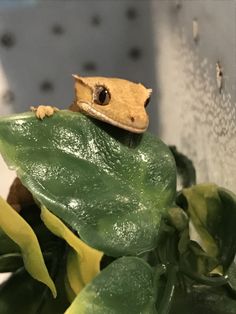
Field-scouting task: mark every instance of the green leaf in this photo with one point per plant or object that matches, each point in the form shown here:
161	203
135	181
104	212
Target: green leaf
212	220
112	191
10	262
225	231
185	168
232	279
22	294
7	246
126	286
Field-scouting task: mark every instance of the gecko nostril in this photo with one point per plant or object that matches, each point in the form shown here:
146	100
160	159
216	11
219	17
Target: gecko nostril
132	119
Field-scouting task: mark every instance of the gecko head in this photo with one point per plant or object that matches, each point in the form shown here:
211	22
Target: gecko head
116	101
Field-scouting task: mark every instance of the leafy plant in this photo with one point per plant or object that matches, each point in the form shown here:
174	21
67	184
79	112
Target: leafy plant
108	233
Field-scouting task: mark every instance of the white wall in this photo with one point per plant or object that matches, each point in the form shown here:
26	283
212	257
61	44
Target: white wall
193	114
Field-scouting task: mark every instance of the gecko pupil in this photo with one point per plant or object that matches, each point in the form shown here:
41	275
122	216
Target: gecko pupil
102	95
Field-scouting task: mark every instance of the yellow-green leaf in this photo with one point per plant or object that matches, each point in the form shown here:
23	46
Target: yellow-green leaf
212	219
198	199
83	262
75	273
23	235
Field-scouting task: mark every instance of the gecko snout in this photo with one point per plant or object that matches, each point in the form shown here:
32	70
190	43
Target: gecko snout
138	121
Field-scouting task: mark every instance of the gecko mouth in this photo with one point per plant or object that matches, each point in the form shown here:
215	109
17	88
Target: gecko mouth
86	108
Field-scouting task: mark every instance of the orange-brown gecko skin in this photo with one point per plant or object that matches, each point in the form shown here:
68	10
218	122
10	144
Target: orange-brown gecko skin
125	107
19	196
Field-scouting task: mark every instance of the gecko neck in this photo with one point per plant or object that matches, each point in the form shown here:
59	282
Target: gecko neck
125	137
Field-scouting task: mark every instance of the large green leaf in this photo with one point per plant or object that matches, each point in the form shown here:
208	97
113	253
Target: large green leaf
111	193
126	286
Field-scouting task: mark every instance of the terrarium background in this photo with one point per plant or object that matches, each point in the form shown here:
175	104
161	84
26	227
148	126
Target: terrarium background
43	42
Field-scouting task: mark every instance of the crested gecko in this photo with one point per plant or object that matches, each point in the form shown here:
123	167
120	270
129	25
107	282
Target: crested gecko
116	101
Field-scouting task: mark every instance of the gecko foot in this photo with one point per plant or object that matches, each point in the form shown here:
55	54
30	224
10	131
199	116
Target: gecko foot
43	111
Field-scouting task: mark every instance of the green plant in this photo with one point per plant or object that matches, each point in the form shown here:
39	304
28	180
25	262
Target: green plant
108	232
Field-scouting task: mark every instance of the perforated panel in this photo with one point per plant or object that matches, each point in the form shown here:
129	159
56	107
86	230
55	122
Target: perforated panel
43	42
41	45
196	113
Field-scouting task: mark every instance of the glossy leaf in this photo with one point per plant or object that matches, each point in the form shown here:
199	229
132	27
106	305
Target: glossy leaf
22	234
126	286
111	193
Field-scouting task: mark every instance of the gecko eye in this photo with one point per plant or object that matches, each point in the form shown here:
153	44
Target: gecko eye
147	102
101	95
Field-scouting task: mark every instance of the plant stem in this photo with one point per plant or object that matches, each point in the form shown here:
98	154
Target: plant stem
166	301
